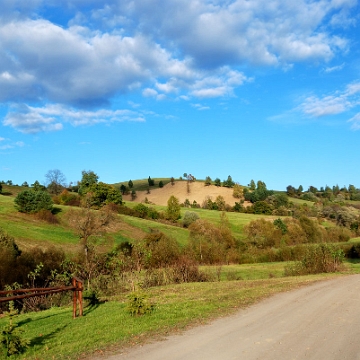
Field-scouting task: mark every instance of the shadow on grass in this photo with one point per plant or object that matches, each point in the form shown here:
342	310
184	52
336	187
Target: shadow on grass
27	320
93	303
56	210
41	339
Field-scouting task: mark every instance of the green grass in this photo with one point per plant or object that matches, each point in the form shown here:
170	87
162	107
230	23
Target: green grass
25	228
301	201
247	271
237	221
178	233
53	333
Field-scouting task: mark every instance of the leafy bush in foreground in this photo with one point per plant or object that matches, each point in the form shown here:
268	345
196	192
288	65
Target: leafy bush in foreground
320	258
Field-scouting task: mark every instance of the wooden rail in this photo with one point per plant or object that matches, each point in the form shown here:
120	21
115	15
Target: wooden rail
76	287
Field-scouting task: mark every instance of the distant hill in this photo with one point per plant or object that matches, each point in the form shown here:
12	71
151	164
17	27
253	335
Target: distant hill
198	192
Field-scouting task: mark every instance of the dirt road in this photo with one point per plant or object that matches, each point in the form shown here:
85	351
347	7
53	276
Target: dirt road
321	321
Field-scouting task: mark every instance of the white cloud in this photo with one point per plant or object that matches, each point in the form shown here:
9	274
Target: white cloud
6	144
332	104
334	68
328	105
29	119
149	92
200	107
355	122
161	49
265	32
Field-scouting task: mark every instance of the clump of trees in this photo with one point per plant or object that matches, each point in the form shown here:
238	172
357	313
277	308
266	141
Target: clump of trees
30	201
263	233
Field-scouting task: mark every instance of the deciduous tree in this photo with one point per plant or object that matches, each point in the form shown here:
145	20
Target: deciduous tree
55	181
173	209
208	181
88	179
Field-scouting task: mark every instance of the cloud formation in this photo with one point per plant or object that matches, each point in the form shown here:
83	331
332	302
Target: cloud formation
334	104
179	48
32	120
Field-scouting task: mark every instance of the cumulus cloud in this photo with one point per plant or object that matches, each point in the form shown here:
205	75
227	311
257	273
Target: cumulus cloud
32	120
332	104
159	49
256	32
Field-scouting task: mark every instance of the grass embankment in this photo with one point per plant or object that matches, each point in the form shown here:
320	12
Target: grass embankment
108	327
28	231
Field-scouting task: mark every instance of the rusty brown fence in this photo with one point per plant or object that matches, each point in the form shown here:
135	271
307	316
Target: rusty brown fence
76	287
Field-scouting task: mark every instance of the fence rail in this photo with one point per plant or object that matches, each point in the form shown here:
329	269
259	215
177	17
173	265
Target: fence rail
76	287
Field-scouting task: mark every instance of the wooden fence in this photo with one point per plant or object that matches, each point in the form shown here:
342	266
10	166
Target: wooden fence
76	287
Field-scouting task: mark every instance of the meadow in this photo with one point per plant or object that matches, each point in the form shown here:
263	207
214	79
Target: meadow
107	326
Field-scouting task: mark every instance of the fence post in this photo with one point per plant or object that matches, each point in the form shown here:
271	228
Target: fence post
73	282
79	285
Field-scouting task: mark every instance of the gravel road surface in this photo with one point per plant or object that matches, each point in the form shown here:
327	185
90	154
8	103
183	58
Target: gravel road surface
320	321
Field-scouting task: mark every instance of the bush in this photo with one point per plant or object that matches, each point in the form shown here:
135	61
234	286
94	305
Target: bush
320	258
337	234
11	338
138	304
67	198
189	218
313	231
163	251
309	196
46	215
142	210
262	233
29	201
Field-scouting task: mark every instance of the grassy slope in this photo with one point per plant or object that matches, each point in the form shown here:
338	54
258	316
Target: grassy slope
29	232
53	333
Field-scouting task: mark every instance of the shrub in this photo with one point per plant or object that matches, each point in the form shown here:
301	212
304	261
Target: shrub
67	198
11	338
238	191
189	218
337	234
138	304
309	196
163	251
142	210
313	232
29	201
263	233
8	242
209	244
319	258
46	215
262	207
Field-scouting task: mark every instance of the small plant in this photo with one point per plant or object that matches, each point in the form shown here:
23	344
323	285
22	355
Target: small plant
11	339
138	304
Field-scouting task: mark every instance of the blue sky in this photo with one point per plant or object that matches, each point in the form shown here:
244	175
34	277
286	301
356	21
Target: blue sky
263	89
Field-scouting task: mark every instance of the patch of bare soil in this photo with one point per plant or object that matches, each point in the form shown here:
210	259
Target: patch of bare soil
197	191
